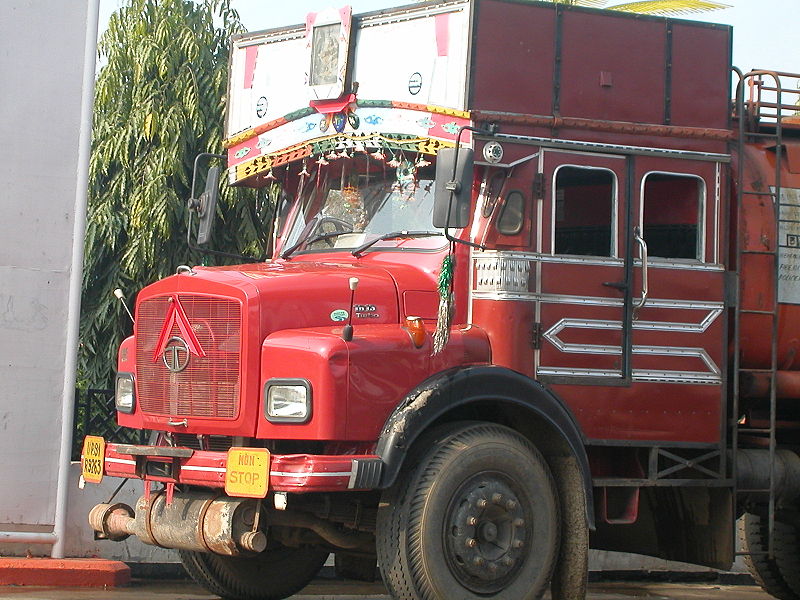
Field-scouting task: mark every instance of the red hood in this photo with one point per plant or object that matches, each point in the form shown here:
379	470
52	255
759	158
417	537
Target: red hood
288	295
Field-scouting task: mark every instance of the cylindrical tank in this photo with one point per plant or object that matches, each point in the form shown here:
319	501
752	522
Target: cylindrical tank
757	233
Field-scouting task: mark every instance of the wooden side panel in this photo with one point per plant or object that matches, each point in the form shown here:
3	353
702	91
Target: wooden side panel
566	61
700	88
513	56
612	67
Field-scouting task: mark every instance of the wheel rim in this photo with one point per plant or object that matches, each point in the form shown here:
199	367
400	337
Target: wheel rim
487	533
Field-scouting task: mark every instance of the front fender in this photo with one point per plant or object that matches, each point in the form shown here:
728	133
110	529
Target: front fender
492	391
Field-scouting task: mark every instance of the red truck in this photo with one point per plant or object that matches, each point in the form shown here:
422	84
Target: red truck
534	287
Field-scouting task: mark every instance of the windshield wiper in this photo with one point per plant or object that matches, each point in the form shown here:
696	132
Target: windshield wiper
393	234
322	236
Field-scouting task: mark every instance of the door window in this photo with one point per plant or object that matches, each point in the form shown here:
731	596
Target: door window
585	211
672	215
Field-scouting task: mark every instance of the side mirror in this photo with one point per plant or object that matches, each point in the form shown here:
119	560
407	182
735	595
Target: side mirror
453	194
207	206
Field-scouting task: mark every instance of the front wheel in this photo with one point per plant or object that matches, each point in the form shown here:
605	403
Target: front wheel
274	574
476	517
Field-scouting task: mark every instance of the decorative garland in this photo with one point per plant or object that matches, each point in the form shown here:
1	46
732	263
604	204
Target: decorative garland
446	303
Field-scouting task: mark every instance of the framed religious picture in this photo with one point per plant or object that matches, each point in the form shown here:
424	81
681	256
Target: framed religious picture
328	41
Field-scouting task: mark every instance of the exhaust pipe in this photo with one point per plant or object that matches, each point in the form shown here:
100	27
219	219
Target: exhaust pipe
193	521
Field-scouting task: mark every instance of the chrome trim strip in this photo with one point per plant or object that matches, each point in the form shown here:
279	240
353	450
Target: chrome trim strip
639	375
204	469
354	466
569	372
121	461
717	215
684	377
308	474
598	147
586	153
653	263
679	351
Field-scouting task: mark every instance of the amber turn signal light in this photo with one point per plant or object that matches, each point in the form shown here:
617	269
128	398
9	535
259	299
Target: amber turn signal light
416	329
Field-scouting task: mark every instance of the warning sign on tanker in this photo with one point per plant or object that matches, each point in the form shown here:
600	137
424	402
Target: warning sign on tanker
247	472
789	246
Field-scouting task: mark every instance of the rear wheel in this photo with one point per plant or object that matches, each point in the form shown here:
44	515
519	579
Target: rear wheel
778	576
273	574
476	517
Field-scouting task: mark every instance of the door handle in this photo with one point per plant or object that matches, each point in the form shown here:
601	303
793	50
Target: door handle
637	235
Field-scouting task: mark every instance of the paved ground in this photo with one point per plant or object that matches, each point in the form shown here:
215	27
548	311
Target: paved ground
337	590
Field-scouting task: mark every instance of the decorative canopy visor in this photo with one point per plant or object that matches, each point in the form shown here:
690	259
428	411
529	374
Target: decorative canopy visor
368	129
292	94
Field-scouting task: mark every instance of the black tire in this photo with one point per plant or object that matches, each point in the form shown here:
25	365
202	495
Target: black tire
778	576
476	516
273	574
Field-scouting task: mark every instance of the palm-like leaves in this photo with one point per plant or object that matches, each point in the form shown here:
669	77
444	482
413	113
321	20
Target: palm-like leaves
652	7
158	103
668	7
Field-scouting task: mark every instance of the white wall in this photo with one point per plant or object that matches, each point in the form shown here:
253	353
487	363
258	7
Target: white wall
44	45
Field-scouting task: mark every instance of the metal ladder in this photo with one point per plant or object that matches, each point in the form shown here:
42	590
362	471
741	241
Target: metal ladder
765	108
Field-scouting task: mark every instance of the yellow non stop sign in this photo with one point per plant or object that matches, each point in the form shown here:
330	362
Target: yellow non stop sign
247	472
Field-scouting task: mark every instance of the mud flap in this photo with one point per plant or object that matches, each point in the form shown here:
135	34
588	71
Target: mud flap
571	574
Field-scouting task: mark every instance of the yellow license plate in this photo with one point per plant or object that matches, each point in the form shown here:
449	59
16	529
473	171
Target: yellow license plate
247	472
92	458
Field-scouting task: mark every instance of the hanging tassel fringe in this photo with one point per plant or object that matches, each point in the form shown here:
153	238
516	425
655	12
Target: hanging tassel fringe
446	305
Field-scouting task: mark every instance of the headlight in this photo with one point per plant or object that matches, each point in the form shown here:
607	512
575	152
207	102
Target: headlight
124	393
287	400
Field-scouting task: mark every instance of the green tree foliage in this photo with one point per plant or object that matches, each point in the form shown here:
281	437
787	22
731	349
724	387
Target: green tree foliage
159	101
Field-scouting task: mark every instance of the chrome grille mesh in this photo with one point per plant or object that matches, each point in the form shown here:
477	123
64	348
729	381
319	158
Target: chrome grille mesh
209	385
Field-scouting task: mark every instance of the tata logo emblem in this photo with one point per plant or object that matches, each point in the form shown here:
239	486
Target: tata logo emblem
177	339
176	354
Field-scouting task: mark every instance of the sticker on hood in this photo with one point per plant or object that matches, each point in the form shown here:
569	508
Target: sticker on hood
339	315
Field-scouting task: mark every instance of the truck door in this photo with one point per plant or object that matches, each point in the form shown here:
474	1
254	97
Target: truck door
582	288
678	329
630	292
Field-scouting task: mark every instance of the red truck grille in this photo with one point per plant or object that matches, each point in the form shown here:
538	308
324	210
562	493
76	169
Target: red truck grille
209	384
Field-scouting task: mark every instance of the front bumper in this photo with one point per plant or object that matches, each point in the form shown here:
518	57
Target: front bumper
298	473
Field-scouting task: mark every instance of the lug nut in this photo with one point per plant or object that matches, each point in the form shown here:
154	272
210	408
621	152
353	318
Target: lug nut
511	505
478	561
472	521
493	567
508	561
517	544
482	503
471	542
519	522
497	498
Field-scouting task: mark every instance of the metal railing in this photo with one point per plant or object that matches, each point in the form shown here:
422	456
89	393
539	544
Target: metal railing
95	414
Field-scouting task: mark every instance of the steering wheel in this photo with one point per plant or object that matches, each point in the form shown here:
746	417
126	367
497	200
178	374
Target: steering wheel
331	225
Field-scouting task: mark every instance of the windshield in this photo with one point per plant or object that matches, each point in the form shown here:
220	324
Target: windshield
351	202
